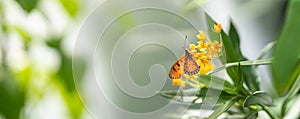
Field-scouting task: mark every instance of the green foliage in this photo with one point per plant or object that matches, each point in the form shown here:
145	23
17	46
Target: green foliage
65	73
66	78
19	86
251	115
257	98
12	97
223	108
286	66
54	42
242	71
26	37
217	83
210	95
71	7
28	5
231	44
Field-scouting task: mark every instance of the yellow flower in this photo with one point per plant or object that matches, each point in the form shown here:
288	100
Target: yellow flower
176	82
214	48
201	35
217	28
192	46
205	67
201	45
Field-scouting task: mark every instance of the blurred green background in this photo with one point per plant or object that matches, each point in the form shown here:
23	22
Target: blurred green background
36	59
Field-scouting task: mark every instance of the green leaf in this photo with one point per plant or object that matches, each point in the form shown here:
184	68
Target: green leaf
217	83
258	98
28	5
269	111
71	6
287	53
223	108
235	40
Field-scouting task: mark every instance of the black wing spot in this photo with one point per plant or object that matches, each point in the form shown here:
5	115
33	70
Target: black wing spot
174	69
178	64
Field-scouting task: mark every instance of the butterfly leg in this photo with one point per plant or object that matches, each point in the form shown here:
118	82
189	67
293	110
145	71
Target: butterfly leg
181	87
181	92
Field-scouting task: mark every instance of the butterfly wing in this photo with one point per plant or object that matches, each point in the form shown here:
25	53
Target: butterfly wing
191	67
176	70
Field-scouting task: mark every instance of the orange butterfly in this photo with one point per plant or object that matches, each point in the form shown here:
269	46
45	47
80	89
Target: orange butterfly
185	64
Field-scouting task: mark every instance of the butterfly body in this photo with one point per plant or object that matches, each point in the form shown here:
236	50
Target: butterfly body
184	65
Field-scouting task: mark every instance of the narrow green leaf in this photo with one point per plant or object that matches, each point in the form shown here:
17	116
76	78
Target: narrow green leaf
258	98
223	108
235	40
269	112
251	115
217	83
292	92
214	94
28	5
266	49
287	53
240	82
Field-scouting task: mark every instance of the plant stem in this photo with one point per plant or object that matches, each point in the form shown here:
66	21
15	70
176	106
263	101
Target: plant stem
269	111
243	63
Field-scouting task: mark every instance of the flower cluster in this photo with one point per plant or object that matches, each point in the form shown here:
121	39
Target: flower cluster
202	52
